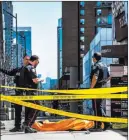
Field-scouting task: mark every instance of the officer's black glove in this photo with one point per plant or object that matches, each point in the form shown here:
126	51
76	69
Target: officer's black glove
104	82
1	70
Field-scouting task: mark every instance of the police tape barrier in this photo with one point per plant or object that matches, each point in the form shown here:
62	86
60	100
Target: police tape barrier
71	97
78	91
63	113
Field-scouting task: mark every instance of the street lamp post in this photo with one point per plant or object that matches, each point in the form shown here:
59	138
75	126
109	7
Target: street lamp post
16	40
16	32
23	36
24	43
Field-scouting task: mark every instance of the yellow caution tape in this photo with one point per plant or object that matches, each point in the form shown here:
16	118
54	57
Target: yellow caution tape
78	91
63	113
69	101
71	97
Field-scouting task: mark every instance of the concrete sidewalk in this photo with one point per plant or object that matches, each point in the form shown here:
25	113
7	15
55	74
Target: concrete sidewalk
60	135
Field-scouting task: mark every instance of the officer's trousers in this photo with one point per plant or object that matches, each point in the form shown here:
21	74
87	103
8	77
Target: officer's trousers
18	110
97	106
30	113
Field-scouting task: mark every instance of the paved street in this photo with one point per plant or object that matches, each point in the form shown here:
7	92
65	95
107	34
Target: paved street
61	135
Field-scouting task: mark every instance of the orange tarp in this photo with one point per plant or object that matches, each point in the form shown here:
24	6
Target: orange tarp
63	125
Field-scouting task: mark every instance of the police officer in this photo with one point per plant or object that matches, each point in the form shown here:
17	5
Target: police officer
31	81
99	77
18	108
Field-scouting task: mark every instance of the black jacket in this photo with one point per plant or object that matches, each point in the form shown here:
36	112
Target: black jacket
14	72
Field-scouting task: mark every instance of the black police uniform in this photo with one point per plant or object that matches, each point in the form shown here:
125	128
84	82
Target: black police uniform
101	73
18	108
30	114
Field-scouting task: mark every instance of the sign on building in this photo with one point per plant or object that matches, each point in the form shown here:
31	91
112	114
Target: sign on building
119	107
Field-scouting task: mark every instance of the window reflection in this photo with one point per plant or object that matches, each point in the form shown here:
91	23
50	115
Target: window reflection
82	47
98	29
82	21
82	12
82	38
109	19
104	20
82	30
98	3
99	12
82	3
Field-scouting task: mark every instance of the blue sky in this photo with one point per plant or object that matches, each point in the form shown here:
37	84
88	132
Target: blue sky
43	18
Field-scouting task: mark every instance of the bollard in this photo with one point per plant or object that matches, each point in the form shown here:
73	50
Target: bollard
2	125
3	114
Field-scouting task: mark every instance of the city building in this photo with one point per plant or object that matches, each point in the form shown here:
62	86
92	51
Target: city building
103	37
24	43
59	50
80	23
103	14
6	49
7	20
50	83
1	36
7	24
2	80
120	33
119	49
74	17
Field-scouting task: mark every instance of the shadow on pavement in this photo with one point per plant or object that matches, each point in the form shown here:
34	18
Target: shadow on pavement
123	132
9	133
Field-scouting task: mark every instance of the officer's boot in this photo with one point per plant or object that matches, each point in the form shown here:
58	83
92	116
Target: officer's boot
107	126
29	130
16	129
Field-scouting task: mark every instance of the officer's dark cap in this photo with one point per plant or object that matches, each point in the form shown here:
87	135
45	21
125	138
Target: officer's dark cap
34	57
97	56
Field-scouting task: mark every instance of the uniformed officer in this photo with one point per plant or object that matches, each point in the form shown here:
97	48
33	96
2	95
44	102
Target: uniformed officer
99	77
31	81
18	108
